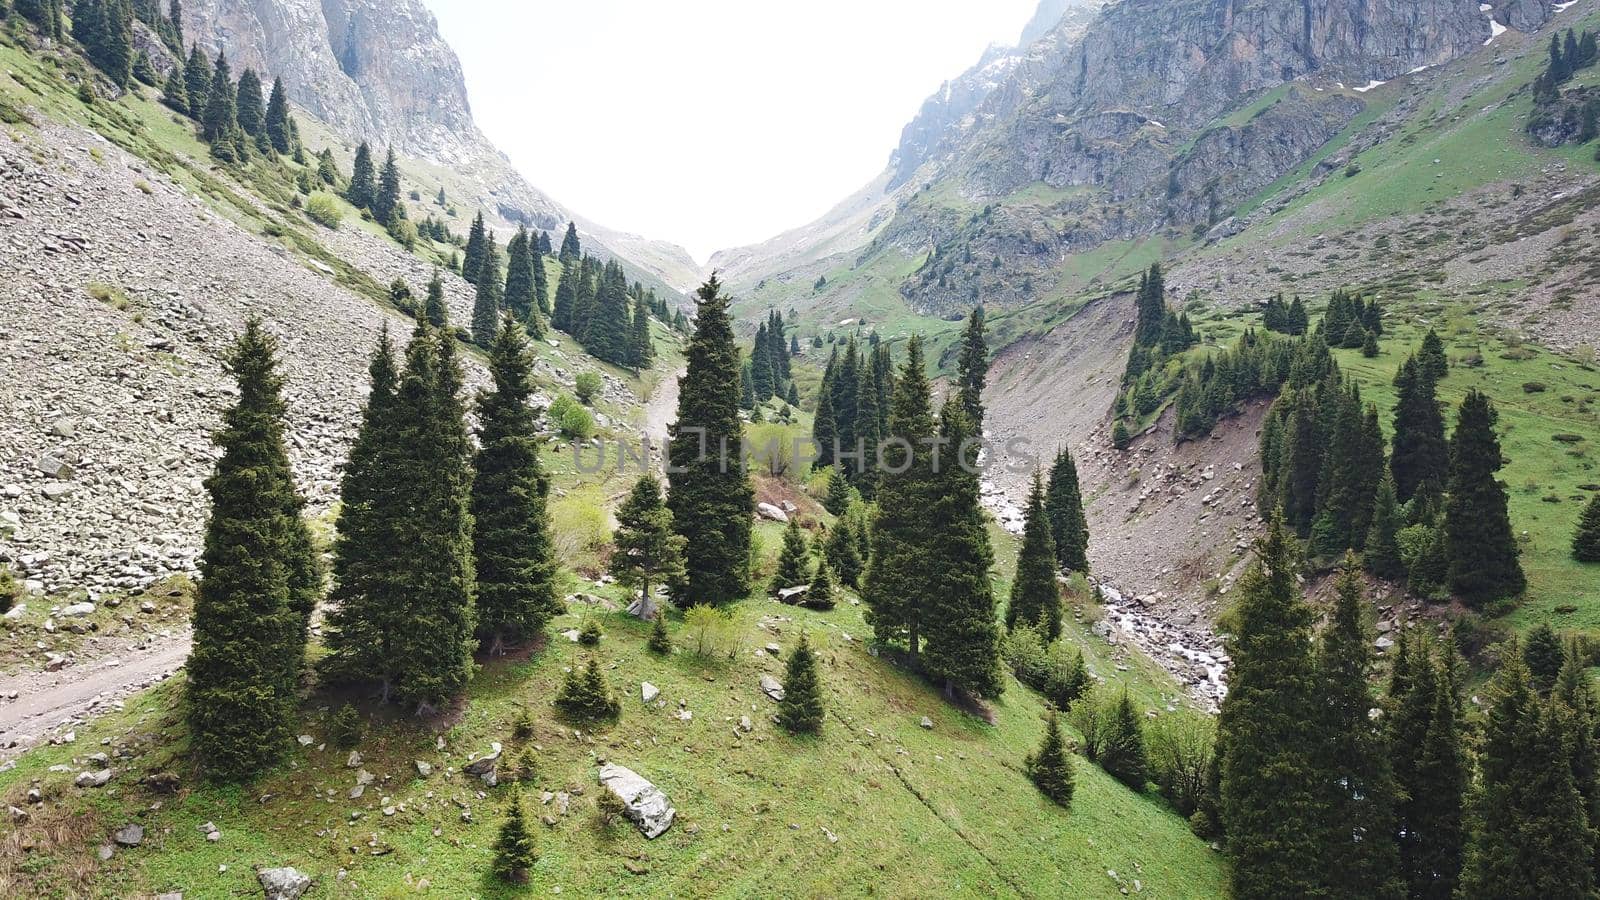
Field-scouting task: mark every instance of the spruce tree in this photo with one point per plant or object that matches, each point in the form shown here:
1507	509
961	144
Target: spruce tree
486	302
1532	837
648	552
1051	767
1420	456
1122	752
1362	859
897	580
566	296
327	169
571	249
606	336
866	430
587	697
1575	692
972	370
838	498
519	276
434	309
541	277
1035	596
251	107
514	853
824	431
363	187
1586	542
386	196
962	636
513	555
249	638
1483	551
197	70
1441	782
659	643
792	560
1381	552
1544	656
710	498
277	119
820	594
1431	358
801	710
176	94
1064	507
219	119
843	555
1271	798
472	256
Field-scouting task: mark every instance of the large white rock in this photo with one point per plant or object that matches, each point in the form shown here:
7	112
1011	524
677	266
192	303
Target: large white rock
768	511
772	687
287	883
647	807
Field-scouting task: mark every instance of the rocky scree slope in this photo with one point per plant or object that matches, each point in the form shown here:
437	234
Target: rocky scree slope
119	294
379	70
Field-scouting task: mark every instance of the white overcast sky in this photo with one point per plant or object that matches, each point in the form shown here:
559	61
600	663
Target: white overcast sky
710	123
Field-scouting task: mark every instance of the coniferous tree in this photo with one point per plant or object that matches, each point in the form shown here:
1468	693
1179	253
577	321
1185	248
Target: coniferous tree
1544	656
1122	752
824	431
659	643
583	301
249	635
1440	785
648	552
571	249
327	169
820	594
1586	542
962	637
710	497
1349	482
486	303
251	107
1064	508
566	296
1381	551
792	559
801	710
587	697
867	431
513	555
839	496
477	243
437	314
1035	596
219	119
972	370
843	555
1362	859
1051	767
386	196
1431	358
1483	550
541	277
197	71
363	187
606	335
1582	713
1532	838
896	582
514	853
277	124
1271	799
1420	456
520	260
175	93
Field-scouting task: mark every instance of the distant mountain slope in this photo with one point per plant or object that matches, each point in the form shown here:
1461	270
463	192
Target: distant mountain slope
378	70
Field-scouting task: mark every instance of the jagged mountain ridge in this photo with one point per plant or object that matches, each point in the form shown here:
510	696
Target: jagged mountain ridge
379	70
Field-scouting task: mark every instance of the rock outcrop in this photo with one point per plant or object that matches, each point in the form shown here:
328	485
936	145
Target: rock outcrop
644	804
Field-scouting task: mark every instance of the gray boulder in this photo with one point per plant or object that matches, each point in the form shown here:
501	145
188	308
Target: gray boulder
644	803
287	883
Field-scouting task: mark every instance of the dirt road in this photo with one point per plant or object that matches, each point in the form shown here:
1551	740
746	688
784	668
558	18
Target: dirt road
47	700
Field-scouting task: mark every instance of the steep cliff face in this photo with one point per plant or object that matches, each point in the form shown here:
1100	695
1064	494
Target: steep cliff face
378	70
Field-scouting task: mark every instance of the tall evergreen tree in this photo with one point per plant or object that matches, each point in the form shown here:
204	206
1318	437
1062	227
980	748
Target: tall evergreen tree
251	107
648	551
793	559
219	119
1586	541
405	617
514	853
1381	552
571	248
1532	837
1064	507
641	351
710	496
1151	306
867	431
1582	714
1122	753
1271	799
437	314
1483	551
386	198
1349	483
490	292
472	256
520	260
1420	456
566	296
1051	767
824	430
175	93
363	187
513	555
1362	859
896	582
197	72
1035	596
249	637
1431	358
606	336
279	131
962	636
1544	656
972	370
